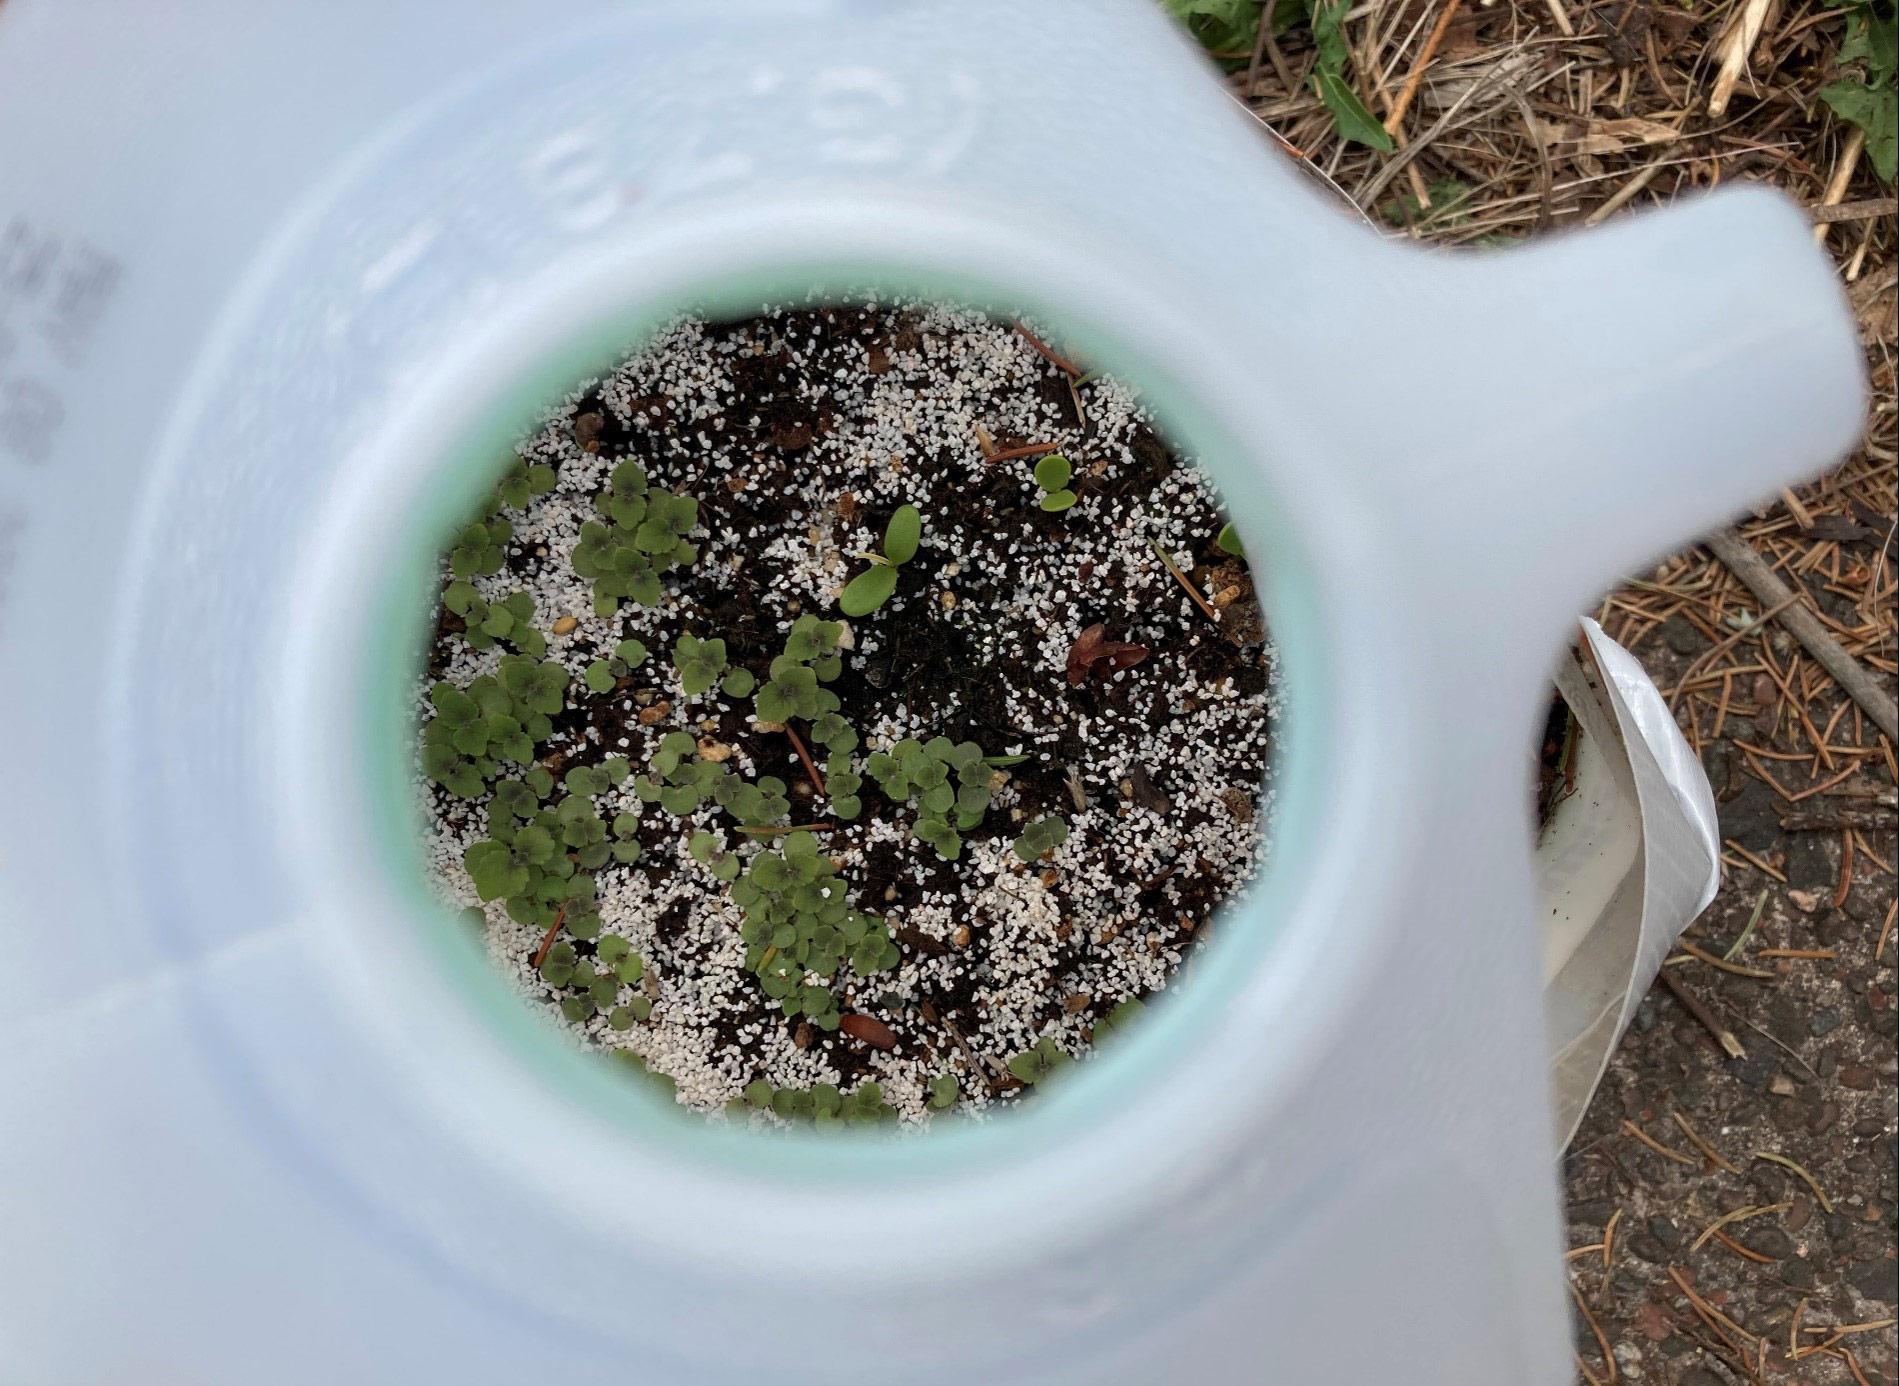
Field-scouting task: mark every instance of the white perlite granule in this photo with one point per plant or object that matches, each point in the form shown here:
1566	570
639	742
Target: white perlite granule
1008	953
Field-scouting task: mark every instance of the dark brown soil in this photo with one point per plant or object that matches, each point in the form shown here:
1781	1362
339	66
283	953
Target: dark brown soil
925	660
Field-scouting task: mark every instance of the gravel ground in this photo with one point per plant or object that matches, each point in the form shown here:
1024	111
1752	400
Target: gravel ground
1816	1086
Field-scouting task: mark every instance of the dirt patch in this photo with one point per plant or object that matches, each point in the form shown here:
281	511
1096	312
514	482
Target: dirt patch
1112	728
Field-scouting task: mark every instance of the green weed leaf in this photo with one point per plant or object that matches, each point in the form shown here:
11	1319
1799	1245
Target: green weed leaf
866	592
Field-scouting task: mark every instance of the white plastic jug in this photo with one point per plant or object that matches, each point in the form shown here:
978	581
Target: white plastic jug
277	283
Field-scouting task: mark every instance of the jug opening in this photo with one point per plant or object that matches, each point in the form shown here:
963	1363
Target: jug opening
849	713
456	1043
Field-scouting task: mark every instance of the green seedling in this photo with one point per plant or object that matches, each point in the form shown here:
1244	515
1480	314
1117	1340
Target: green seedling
585	836
1228	542
873	587
709	850
1036	1063
842	785
643	537
678	782
699	662
539	685
1052	473
593	989
633	1012
493	720
1865	95
815	642
680	785
603	675
944	1090
1041	837
810	658
522	484
834	734
739	683
821	1104
799	926
527	866
480	548
591	781
793	692
949	782
511	619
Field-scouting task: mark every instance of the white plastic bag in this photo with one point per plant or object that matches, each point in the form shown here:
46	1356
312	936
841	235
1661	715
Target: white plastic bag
1627	860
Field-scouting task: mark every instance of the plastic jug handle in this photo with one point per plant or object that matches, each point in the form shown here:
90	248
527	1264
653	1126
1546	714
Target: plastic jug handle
1570	411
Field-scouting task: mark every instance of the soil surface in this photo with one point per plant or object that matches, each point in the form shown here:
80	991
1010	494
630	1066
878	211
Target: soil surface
799	435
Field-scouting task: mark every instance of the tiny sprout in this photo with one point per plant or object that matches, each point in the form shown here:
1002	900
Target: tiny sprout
513	799
700	662
708	850
510	619
821	1104
1042	836
603	675
522	484
1228	542
903	534
944	1090
798	924
739	683
842	785
1052	474
644	538
873	587
833	733
557	968
626	847
949	782
591	781
866	1103
480	548
1035	1064
539	684
793	692
815	642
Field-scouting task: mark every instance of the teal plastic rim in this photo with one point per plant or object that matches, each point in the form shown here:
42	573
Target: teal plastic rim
474	450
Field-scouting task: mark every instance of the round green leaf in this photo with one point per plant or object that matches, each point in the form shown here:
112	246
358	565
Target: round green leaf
867	591
903	534
1052	472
